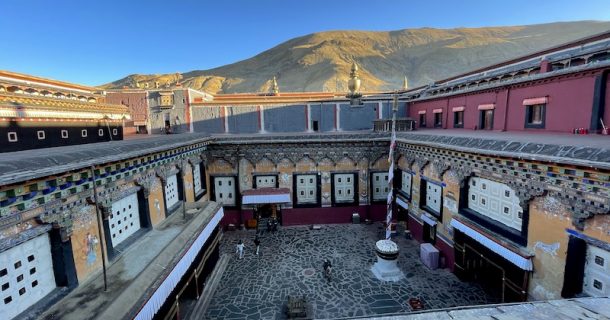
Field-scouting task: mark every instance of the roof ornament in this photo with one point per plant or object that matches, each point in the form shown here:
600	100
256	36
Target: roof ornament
405	84
353	84
275	89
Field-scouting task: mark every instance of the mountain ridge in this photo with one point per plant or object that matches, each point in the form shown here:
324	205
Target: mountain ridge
321	61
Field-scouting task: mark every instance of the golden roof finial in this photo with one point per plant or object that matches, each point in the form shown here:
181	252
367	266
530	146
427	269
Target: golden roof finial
405	84
354	81
275	89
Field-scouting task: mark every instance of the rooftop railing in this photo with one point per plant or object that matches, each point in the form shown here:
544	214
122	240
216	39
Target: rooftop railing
385	125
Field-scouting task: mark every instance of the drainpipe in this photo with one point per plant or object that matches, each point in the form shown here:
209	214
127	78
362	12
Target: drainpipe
599	101
446	122
506	101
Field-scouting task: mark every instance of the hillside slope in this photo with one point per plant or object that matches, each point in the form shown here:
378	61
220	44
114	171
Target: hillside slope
321	61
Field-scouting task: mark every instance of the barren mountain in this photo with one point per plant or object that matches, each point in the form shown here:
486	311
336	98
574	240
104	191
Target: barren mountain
321	61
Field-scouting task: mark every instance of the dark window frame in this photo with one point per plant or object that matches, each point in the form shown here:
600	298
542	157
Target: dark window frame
371	186
507	232
529	109
423	183
455	119
422	120
237	191
398	185
204	188
295	199
255	175
482	119
429	233
438	119
355	201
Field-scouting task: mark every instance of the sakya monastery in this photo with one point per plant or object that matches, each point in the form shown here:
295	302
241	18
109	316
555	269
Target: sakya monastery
505	170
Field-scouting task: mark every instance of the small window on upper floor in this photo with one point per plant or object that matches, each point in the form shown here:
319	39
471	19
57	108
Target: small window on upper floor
422	120
534	116
458	119
438	119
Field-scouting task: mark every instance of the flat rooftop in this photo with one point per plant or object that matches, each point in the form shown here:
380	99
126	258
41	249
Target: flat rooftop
584	150
31	164
137	272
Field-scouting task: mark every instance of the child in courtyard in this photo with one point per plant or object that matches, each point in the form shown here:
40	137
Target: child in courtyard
240	249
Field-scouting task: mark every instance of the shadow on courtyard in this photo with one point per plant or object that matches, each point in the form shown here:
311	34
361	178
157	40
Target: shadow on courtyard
290	263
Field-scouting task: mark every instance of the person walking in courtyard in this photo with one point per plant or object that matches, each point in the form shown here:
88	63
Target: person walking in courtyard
327	269
240	249
257	243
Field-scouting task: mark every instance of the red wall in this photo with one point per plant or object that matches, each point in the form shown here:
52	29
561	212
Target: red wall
417	230
305	216
447	252
570	104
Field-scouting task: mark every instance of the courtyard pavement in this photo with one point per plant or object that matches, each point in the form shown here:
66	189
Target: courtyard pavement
290	263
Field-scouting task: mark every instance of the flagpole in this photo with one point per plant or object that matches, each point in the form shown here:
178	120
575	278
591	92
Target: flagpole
392	160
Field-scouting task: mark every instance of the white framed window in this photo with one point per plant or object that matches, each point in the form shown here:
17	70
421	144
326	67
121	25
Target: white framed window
266	181
171	191
41	135
433	196
26	275
344	190
83	133
597	272
495	200
12	136
381	188
405	182
115	132
100	132
197	185
307	188
124	219
224	190
64	134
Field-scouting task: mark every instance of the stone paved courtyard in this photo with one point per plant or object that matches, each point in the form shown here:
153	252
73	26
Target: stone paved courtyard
290	263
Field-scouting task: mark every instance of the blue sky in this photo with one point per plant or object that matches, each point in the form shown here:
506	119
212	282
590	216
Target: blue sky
94	42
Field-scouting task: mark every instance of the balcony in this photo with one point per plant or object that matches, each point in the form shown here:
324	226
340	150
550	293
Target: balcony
385	125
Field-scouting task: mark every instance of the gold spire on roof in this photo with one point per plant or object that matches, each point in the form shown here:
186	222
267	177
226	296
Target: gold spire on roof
405	84
354	82
275	89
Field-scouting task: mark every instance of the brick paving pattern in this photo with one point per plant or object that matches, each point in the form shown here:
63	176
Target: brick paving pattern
290	263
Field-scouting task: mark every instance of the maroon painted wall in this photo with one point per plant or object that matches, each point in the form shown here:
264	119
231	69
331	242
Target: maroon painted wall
417	230
570	104
378	212
447	252
304	216
232	216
